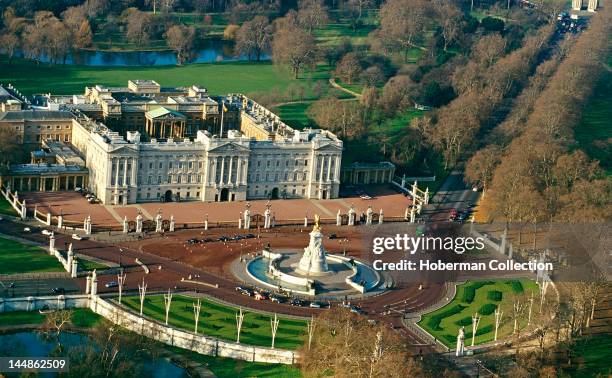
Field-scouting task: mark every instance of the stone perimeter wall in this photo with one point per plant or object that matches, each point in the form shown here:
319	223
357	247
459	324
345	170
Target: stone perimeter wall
168	335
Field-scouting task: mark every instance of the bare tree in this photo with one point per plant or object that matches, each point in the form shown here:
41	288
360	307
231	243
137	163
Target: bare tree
489	48
295	47
84	36
450	20
479	169
312	14
56	321
401	23
139	25
345	344
10	42
348	68
253	37
181	39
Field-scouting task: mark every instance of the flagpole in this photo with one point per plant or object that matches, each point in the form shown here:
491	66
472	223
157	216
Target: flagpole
222	111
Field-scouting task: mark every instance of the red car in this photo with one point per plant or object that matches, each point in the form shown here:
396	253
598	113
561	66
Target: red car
453	215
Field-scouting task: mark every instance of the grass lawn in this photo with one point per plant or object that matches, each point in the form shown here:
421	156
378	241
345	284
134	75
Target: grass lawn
230	368
476	296
20	258
90	265
218	320
294	114
81	317
593	353
6	208
218	78
594	132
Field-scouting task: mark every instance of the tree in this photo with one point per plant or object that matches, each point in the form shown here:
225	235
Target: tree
401	23
342	117
345	344
83	37
253	37
348	68
450	20
10	42
295	47
397	94
312	14
56	321
181	39
139	25
359	6
479	169
230	31
489	48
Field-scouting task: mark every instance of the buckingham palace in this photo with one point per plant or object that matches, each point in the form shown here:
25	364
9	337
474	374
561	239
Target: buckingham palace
257	156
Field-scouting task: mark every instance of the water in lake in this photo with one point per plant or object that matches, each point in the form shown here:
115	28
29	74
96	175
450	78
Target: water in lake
31	344
214	51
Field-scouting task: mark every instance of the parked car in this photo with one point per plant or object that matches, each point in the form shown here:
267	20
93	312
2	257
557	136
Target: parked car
297	302
207	240
315	304
223	238
261	296
27	229
47	232
333	236
453	215
77	237
249	236
357	310
58	290
112	284
277	298
193	241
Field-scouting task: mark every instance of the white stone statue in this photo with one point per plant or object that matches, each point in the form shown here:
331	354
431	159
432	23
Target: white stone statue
139	223
247	219
460	342
314	260
158	222
369	214
351	216
267	218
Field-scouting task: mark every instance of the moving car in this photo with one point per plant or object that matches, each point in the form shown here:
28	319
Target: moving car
77	237
112	284
261	296
27	229
277	298
47	232
58	290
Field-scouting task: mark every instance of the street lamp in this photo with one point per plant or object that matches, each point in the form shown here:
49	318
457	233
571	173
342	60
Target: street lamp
120	253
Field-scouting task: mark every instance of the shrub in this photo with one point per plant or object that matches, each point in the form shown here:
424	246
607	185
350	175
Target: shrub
516	286
469	291
434	320
487	309
464	321
492	24
494	295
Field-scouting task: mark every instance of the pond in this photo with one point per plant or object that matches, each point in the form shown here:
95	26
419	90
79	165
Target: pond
214	50
32	344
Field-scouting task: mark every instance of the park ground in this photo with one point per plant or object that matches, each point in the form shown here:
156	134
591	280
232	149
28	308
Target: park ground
85	319
219	320
482	297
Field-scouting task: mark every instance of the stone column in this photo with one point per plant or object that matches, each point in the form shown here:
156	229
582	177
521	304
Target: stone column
576	4
116	201
171	223
338	218
381	215
329	171
267	218
139	223
51	244
88	285
74	269
94	283
24	210
238	170
247	219
337	173
229	175
351	216
592	6
125	225
60	221
369	213
222	169
125	164
49	218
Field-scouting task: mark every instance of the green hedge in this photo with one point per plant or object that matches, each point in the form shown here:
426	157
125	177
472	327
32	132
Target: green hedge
434	321
516	286
494	295
469	291
487	309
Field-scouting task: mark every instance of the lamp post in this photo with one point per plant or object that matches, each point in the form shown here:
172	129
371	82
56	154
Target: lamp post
120	253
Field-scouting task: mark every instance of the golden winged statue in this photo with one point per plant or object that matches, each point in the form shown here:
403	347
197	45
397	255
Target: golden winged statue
317	223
